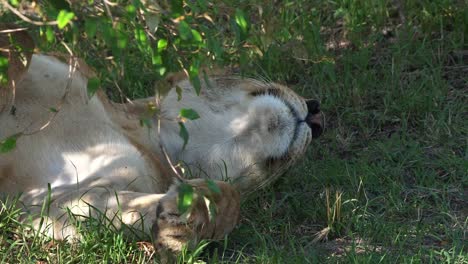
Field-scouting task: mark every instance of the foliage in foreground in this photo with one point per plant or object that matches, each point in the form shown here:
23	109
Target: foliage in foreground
386	183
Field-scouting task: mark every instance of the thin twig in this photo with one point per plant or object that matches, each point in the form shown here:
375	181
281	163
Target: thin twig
6	31
123	97
163	149
106	5
72	65
110	3
25	18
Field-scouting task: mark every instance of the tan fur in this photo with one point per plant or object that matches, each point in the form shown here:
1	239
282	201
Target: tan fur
17	46
96	155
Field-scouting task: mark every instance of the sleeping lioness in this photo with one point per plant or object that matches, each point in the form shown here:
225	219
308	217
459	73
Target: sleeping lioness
94	158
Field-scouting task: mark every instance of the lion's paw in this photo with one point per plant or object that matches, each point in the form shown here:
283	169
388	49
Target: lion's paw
173	231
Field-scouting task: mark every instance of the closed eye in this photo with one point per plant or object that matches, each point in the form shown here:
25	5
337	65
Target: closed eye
268	91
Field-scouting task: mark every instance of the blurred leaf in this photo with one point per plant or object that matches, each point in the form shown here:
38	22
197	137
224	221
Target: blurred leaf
50	36
151	106
63	18
196	84
206	78
185	31
183	133
145	122
196	36
162	45
177	8
90	27
9	143
241	21
53	109
185	198
14	3
122	40
212	186
93	86
131	10
157	60
203	4
3	70
3	63
141	38
215	47
189	114
193	75
162	71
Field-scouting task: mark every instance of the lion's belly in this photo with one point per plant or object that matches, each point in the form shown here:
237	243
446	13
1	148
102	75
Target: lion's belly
80	148
75	151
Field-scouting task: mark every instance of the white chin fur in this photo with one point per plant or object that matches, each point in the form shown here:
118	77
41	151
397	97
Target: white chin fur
255	129
268	126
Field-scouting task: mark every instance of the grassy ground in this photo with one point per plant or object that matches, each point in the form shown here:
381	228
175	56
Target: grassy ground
387	182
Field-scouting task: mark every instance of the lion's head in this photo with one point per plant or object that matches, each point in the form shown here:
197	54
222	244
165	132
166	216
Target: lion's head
249	131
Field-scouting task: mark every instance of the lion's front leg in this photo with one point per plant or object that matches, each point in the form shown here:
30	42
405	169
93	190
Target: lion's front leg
156	215
173	231
60	214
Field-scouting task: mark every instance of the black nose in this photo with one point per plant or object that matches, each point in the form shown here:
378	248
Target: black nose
314	118
313	106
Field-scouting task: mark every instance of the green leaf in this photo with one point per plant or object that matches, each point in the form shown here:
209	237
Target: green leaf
179	92
53	109
196	84
206	78
3	70
157	60
141	38
185	31
193	74
93	86
188	113
241	25
49	33
8	144
162	71
183	133
63	18
14	3
131	10
196	36
162	45
3	62
241	21
122	40
212	186
185	197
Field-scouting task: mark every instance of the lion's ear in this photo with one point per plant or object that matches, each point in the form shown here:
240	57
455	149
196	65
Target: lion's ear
16	46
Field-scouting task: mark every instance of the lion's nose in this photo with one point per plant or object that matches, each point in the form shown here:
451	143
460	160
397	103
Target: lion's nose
314	118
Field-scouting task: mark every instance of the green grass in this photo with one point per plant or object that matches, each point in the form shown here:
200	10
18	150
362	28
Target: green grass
392	162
